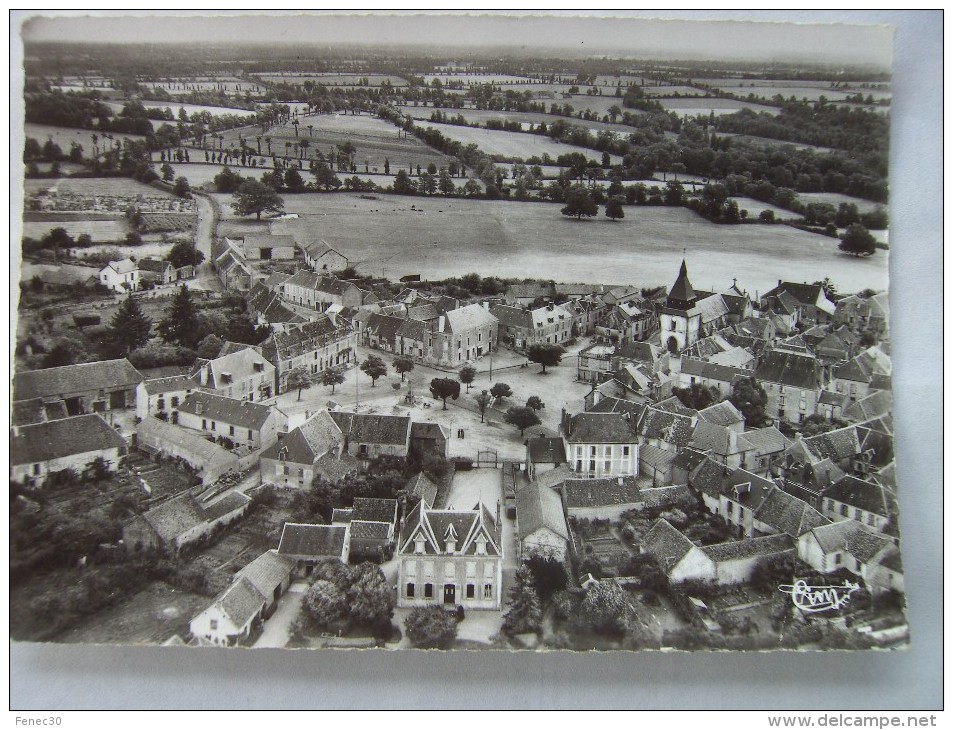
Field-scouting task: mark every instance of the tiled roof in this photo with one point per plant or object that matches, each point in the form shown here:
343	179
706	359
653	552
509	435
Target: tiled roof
687	459
374	509
655	457
173	384
231	411
421	486
469	317
666	544
267	571
512	316
707	477
673	428
154	265
608	404
767	440
852	537
124	266
238	364
554	477
746	488
367	428
788	368
423	312
601	428
86	377
231	502
722	413
874	405
463	526
268	240
198	451
384	326
833	398
788	514
368	530
428	430
39	442
240	602
719	440
803	293
312	541
663	497
340	516
413	330
175	517
539	507
304	339
546	450
836	445
750	548
864	495
600	492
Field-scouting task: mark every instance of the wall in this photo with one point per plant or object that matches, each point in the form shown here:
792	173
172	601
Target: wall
544	540
440	570
611	511
79	462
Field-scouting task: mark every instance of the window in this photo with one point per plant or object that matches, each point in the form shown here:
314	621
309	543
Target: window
625	450
213	425
213	624
160	404
837	559
858	515
175	401
428	590
843	510
231	430
870	519
410	590
287	470
36	469
250	437
471	590
488	590
204	424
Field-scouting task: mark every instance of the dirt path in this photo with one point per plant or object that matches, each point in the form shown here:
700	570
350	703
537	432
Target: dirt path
208	216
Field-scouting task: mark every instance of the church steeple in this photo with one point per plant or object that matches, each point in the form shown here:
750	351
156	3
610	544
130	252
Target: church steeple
681	295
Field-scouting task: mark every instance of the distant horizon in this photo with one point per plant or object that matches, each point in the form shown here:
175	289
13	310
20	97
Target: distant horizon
618	36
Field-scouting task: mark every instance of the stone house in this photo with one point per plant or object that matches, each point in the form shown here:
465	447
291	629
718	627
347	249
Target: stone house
322	258
540	522
372	524
368	435
869	503
793	382
237	423
94	387
160	396
601	444
208	459
523	328
851	546
120	276
243	374
316	447
181	521
307	545
314	347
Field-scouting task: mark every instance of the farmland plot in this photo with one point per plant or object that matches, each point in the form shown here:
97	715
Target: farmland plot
691	107
835	199
98	230
64	136
514	145
215	111
106	186
331	79
475	79
482	116
449	237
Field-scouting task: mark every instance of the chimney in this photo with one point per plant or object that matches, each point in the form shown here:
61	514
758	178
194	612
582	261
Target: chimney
441	322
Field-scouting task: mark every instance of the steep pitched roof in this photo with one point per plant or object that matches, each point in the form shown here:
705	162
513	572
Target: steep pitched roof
384	326
312	540
39	442
601	428
600	492
749	548
673	428
373	509
106	375
719	440
469	317
539	507
851	537
512	316
682	290
421	486
175	383
608	404
231	502
868	496
546	450
124	266
788	368
874	405
836	445
267	571
788	514
175	517
240	602
369	530
722	413
464	527
666	544
232	411
429	430
368	428
767	440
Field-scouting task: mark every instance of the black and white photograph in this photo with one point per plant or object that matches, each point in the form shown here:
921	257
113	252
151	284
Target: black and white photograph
396	332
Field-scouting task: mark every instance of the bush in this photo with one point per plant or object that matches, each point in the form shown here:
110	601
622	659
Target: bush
431	627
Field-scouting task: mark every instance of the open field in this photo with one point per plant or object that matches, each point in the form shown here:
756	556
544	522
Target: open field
513	239
115	186
151	616
767	142
215	111
754	208
375	140
65	136
470	79
228	84
810	93
714	105
677	90
835	199
481	116
330	79
514	145
102	230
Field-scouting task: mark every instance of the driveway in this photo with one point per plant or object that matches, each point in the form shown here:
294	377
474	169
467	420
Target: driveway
277	629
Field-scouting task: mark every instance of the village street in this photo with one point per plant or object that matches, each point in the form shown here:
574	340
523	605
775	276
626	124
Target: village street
277	629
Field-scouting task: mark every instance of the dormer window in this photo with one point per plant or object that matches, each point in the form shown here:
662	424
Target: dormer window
481	545
450	537
419	545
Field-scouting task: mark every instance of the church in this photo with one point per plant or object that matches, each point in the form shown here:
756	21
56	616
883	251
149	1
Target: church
689	315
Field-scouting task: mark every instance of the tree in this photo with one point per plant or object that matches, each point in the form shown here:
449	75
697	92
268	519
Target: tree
373	367
446	184
370	598
444	388
614	207
255	197
525	615
431	627
535	402
209	347
697	396
483	401
403	185
298	378
521	417
181	188
332	376
546	355
184	253
180	326
501	391
549	573
129	328
749	397
293	180
403	365
579	203
857	241
65	351
467	375
605	609
168	174
325	603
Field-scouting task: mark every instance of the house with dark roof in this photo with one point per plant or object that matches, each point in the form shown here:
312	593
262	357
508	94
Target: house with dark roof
160	396
451	557
156	270
809	300
541	523
181	521
243	374
319	292
601	497
783	513
767	455
522	328
793	382
322	258
724	444
543	454
428	438
859	549
312	347
230	421
423	488
41	449
307	545
719	377
665	428
93	387
522	295
305	452
369	435
209	460
601	444
868	502
268	246
373	524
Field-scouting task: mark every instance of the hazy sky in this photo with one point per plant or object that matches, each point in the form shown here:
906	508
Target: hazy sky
633	36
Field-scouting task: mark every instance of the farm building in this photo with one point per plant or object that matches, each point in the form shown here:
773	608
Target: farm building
428	438
120	276
159	272
266	246
600	498
236	423
85	388
208	459
181	521
307	545
41	449
368	436
850	545
540	522
158	396
322	258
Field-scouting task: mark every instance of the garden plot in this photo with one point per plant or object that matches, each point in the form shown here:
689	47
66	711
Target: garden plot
445	237
515	145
